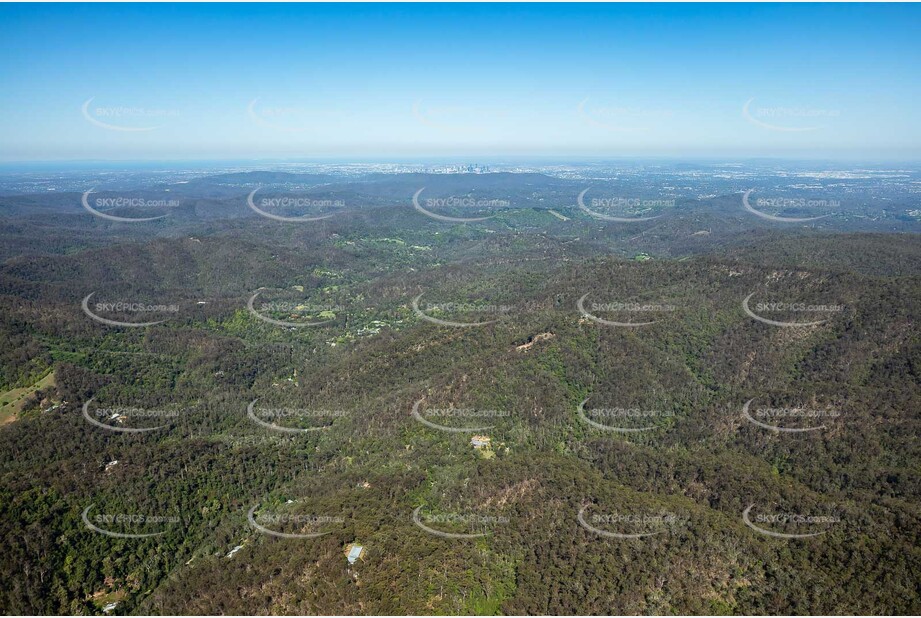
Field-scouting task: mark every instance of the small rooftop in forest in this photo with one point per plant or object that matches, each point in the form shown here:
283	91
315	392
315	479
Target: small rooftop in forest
480	441
355	553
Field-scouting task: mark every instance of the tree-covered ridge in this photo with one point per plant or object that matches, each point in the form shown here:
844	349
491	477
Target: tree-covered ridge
370	464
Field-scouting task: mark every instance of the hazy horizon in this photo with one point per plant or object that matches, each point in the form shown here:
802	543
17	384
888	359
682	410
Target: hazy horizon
394	82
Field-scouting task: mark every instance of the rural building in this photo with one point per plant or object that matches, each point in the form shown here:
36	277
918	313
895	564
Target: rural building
355	552
480	441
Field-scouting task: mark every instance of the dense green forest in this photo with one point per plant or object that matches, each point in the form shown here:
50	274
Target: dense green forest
343	357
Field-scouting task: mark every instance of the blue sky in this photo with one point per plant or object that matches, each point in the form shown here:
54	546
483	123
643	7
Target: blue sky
373	82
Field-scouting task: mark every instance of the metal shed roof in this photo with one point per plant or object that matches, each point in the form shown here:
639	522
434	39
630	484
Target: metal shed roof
355	553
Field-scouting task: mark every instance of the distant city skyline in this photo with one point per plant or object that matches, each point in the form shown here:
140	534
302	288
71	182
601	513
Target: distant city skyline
469	84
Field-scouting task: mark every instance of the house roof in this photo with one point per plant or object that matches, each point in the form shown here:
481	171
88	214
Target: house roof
355	553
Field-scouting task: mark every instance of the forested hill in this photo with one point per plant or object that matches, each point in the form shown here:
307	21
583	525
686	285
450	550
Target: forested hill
508	417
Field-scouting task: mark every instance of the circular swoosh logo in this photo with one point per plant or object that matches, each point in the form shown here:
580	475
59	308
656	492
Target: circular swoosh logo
421	117
431	214
111	127
86	204
117	535
581	306
589	118
268	215
610	535
445	535
418	416
429	318
777	535
749	417
86	415
252	309
250	411
773	127
86	309
251	110
581	201
754	315
607	427
752	210
424	118
250	516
